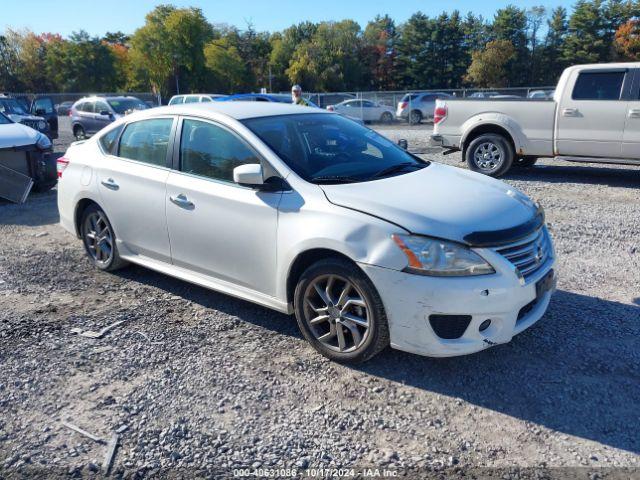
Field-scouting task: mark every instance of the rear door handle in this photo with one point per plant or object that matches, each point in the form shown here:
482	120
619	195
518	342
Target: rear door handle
569	112
182	201
110	184
634	113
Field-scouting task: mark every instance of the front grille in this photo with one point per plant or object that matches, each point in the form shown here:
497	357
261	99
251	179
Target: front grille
529	254
31	123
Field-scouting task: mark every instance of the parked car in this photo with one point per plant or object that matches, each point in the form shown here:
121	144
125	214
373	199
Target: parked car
541	94
365	110
260	97
26	151
305	212
484	94
415	107
323	100
91	114
194	98
595	118
64	108
15	110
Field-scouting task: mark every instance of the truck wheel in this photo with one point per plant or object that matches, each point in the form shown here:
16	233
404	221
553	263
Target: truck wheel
490	154
415	117
525	162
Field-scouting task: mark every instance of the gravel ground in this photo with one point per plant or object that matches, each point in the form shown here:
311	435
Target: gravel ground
198	383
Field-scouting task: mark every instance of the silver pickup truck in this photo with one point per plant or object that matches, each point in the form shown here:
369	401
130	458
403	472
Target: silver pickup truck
594	117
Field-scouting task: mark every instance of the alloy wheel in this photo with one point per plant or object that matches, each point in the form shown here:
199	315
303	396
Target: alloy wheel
98	238
488	156
337	313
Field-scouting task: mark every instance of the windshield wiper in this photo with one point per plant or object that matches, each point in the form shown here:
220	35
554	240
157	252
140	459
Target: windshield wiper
395	168
335	179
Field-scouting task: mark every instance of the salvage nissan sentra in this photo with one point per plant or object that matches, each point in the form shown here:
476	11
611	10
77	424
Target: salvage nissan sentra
307	212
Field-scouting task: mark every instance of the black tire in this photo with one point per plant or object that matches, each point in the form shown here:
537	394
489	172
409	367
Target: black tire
415	117
376	337
386	118
99	260
490	154
525	162
79	133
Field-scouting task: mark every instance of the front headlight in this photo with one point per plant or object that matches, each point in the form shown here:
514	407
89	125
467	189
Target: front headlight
432	256
42	125
43	142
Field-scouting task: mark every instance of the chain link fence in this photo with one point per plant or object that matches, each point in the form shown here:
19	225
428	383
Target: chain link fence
69	98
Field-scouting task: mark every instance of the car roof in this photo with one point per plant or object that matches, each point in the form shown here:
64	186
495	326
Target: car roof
235	110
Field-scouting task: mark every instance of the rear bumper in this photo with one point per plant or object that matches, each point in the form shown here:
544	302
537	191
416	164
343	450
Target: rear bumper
442	141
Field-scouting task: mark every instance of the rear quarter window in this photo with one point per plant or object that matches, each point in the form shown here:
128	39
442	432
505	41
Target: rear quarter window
598	86
108	141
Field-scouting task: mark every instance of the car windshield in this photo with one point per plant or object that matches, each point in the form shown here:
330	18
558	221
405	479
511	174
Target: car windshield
4	120
327	148
126	105
11	106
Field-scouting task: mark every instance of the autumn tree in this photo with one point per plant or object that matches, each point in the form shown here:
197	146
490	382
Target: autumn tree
489	66
627	40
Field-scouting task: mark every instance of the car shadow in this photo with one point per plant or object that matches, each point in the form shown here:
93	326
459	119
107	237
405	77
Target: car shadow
40	209
614	177
577	371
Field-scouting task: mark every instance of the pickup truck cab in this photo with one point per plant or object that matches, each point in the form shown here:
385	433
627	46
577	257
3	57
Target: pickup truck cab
594	116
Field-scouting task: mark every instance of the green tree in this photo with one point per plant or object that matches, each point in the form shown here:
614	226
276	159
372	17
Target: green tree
552	61
283	46
225	65
489	67
379	47
510	23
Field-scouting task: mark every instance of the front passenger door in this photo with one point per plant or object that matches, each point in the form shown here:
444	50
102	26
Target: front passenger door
217	227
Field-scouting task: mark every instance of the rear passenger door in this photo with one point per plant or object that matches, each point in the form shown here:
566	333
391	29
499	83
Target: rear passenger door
631	136
132	183
591	117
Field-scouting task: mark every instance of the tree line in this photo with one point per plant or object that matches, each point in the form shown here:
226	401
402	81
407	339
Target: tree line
181	48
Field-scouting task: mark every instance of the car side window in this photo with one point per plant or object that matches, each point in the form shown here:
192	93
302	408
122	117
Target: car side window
191	100
99	107
427	99
108	140
87	107
146	141
598	86
205	99
44	104
176	100
211	151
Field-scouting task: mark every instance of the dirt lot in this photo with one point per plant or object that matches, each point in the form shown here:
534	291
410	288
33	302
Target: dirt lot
201	383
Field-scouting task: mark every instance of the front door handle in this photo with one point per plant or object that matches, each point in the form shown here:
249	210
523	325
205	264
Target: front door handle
634	113
182	201
110	184
569	112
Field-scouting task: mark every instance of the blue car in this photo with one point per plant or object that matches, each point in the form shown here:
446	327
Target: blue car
260	97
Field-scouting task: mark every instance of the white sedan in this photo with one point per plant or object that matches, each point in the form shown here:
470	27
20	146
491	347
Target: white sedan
364	110
303	211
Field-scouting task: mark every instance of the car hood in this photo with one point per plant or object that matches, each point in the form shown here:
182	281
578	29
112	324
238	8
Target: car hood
445	202
17	135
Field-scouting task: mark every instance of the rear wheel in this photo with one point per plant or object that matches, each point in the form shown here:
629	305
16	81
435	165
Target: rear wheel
415	117
99	239
339	311
79	133
386	118
490	154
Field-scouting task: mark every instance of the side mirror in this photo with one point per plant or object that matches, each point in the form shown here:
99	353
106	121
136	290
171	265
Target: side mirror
249	175
403	144
105	113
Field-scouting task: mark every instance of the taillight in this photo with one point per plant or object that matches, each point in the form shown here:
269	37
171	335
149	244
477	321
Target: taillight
403	105
61	164
331	108
439	114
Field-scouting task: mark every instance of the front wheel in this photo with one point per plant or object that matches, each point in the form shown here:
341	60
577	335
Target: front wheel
490	154
79	133
99	240
339	311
